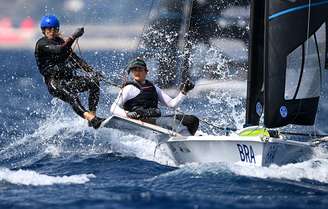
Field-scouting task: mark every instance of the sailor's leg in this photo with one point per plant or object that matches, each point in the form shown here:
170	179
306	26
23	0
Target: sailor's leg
190	121
60	90
94	96
81	84
173	123
75	103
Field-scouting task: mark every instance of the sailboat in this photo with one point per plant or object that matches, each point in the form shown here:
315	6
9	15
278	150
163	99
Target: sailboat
286	57
287	53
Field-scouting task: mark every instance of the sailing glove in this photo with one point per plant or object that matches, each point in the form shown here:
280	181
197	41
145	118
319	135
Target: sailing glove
134	115
78	33
186	86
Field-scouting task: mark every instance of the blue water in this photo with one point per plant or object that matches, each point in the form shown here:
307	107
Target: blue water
49	158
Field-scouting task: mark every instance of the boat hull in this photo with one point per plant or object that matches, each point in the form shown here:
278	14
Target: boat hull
139	128
237	149
256	150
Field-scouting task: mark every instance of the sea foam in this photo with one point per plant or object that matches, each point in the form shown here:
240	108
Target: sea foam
314	169
29	177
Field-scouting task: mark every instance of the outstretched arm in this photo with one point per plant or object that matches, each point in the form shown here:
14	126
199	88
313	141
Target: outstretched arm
58	49
167	100
65	46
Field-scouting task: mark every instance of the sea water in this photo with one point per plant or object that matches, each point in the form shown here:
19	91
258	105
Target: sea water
50	158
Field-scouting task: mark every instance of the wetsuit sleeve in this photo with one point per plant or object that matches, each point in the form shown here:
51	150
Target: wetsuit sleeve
56	49
128	92
167	100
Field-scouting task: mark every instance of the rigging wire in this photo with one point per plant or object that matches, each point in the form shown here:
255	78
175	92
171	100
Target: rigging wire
125	76
307	44
275	131
223	128
90	72
144	26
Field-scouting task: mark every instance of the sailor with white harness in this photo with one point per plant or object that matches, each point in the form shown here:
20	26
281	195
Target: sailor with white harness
139	99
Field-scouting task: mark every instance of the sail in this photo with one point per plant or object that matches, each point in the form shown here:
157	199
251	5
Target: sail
292	62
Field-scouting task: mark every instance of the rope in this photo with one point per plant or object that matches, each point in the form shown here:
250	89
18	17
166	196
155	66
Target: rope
211	124
89	71
174	127
229	129
319	141
105	80
301	134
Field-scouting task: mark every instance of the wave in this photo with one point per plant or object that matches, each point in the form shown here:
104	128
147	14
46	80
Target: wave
63	133
313	170
28	177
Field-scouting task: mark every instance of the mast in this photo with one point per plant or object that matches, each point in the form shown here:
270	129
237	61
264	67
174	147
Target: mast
254	100
287	48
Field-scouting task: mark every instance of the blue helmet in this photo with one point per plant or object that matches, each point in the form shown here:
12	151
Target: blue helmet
49	21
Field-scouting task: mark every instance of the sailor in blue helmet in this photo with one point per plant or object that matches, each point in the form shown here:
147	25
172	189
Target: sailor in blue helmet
58	64
139	100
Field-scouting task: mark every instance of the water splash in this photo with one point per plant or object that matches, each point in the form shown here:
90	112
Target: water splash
313	170
61	133
27	177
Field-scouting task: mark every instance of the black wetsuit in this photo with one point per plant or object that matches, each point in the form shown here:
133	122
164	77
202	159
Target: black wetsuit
57	63
148	99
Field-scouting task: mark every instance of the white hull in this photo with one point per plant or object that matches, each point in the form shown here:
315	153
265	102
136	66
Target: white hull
139	128
237	149
250	150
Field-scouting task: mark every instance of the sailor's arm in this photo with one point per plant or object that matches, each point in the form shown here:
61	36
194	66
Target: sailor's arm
116	109
65	46
128	92
167	100
56	49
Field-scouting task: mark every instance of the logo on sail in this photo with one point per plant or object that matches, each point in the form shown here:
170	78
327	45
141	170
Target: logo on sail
283	111
259	108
